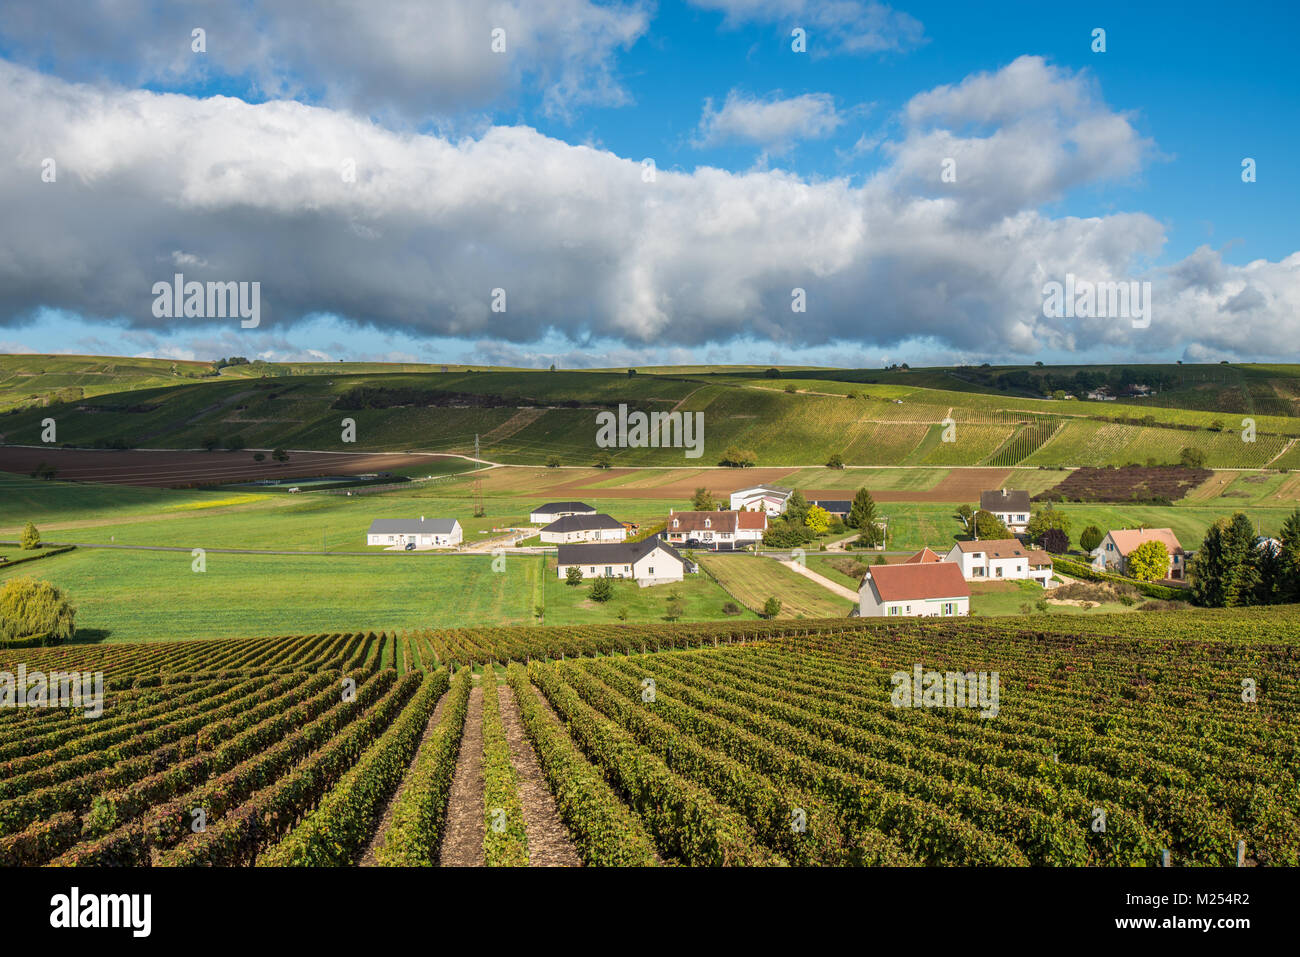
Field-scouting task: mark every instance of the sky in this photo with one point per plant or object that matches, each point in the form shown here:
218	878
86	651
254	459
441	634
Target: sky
843	183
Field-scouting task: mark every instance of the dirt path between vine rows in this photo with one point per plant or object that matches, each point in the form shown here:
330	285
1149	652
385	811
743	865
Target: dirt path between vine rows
462	844
369	857
549	843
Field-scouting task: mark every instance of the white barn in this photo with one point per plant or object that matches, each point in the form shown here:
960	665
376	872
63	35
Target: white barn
771	499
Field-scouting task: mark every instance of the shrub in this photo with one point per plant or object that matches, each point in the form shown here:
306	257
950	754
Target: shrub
31	538
573	576
738	458
29	607
552	461
731	608
602	589
1090	538
772	607
1055	541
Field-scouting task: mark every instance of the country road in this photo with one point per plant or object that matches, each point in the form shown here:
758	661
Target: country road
822	580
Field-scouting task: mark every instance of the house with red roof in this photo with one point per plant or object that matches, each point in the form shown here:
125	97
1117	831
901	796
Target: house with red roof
921	587
723	529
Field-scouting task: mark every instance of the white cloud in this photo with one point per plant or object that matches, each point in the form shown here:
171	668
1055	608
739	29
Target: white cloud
775	123
403	58
586	250
846	26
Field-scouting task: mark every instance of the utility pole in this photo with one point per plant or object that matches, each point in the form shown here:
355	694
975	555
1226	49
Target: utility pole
478	484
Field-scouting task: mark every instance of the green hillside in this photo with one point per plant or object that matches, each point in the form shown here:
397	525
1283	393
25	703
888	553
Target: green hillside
799	417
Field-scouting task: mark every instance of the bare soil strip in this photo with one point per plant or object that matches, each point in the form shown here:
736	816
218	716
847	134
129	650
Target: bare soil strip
549	843
368	858
462	845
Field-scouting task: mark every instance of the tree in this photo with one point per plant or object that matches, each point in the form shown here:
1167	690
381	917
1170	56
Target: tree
1090	538
1149	562
1191	458
818	519
1286	587
552	461
280	455
835	461
772	607
966	514
1055	541
703	501
29	607
738	458
573	575
630	373
772	373
989	526
674	609
31	538
210	442
862	511
1224	573
603	460
552	366
1047	518
796	508
259	457
602	589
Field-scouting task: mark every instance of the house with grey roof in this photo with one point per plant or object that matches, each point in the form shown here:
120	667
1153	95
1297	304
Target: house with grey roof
425	533
545	514
1010	505
583	528
651	561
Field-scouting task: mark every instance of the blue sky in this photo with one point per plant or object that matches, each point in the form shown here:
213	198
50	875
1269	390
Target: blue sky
1177	100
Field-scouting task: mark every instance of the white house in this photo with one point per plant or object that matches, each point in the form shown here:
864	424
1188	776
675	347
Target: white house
770	499
919	588
545	514
583	528
1001	559
1010	505
650	561
1113	552
715	529
425	533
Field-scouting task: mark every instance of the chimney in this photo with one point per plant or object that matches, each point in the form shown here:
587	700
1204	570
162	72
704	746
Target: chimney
421	518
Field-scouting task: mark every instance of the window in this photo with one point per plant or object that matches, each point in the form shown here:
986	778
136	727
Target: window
949	608
708	523
609	571
893	609
593	569
675	523
999	571
651	570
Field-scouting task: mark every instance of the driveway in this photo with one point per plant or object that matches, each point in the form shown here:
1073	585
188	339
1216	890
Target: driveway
822	580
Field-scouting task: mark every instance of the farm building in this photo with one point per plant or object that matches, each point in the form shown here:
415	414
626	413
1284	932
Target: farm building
650	561
918	587
583	528
1001	559
1112	554
1010	505
425	533
836	506
545	514
770	499
715	529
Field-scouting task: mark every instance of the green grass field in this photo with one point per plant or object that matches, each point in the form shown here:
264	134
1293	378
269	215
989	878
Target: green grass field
699	594
753	580
147	596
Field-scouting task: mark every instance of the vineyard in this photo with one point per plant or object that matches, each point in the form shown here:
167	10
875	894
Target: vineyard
747	743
